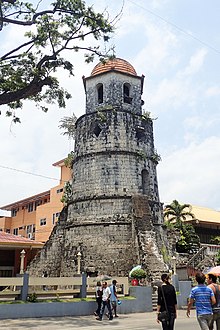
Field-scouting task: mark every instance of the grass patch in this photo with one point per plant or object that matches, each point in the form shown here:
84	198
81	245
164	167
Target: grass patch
127	298
52	300
65	300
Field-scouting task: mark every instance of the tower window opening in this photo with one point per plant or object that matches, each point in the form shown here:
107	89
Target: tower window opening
145	182
140	133
100	93
126	93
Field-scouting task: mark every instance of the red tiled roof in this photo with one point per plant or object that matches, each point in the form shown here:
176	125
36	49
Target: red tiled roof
116	64
14	240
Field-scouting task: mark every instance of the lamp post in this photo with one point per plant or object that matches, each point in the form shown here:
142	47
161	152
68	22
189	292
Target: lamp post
22	256
79	262
174	265
175	280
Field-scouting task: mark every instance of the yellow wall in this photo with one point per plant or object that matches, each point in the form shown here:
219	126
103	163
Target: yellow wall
51	205
46	211
5	223
65	174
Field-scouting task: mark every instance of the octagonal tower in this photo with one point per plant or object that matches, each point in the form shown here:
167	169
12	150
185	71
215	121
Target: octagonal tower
115	217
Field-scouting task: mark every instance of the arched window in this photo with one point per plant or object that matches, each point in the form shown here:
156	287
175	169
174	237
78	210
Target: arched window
126	93
100	93
145	182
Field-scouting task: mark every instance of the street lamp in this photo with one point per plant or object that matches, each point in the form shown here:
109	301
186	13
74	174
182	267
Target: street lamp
22	256
79	262
174	265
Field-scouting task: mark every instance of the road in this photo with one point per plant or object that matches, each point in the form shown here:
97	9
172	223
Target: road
137	321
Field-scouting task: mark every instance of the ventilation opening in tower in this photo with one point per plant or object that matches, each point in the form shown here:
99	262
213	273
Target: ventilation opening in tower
97	130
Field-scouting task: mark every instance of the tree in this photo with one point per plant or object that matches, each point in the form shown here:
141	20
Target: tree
189	241
28	70
215	240
175	213
68	126
218	258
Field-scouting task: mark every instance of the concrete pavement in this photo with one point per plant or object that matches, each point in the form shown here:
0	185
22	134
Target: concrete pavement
136	321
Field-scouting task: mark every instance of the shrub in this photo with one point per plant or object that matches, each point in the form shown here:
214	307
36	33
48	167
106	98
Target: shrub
138	274
32	297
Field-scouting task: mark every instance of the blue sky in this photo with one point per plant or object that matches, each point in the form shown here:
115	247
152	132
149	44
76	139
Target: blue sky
176	45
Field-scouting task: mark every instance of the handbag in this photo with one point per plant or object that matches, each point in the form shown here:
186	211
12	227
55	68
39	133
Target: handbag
164	316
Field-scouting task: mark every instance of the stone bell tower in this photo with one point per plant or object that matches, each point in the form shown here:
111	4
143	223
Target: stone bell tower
115	217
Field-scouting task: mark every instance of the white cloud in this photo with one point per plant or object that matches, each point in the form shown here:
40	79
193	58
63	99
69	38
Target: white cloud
180	89
189	174
213	91
196	62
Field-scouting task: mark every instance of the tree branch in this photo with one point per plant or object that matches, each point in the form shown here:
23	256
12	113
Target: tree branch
6	56
32	89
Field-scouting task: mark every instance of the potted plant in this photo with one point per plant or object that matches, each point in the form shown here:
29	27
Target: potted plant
137	275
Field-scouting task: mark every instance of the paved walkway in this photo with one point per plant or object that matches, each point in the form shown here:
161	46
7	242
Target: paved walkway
137	321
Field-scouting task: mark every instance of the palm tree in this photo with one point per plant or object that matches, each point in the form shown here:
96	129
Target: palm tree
176	213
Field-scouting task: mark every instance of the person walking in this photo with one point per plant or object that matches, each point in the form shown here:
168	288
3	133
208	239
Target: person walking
204	299
211	280
106	293
114	297
45	274
98	295
167	301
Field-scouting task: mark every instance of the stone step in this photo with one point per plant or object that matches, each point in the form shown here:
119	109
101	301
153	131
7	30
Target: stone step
154	301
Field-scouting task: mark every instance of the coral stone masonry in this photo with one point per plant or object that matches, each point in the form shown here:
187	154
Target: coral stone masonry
115	218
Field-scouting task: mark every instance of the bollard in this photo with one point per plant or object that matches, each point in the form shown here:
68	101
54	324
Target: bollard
24	290
82	293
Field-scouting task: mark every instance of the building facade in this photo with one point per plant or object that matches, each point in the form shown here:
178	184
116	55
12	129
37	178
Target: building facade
12	247
34	217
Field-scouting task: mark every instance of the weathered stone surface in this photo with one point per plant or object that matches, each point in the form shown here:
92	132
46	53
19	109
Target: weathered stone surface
115	219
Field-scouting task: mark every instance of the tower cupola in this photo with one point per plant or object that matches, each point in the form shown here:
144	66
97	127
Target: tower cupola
115	84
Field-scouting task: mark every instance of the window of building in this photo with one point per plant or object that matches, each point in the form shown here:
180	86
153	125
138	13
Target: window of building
55	217
14	212
59	190
15	231
126	93
100	93
7	230
30	207
43	222
29	229
37	203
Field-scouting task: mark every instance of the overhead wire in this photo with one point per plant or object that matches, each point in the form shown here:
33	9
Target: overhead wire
30	173
176	27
